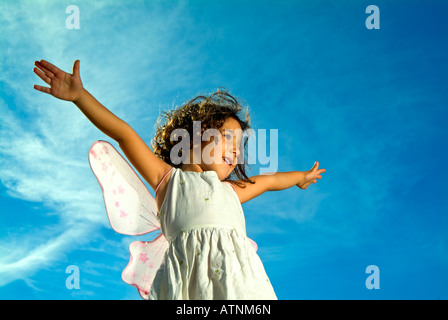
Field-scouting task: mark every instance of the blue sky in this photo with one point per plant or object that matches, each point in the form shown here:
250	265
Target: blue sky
369	105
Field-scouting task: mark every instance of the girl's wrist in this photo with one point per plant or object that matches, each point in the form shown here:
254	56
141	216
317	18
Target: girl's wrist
77	99
301	178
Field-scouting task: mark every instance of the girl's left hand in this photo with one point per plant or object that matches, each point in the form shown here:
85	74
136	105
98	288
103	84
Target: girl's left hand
311	176
63	85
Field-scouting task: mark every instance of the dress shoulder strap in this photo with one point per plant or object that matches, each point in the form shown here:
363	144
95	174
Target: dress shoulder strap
157	188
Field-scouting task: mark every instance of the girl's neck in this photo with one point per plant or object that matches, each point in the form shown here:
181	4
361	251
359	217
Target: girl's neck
191	167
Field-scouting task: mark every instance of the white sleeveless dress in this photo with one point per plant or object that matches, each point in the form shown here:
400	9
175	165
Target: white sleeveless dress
209	255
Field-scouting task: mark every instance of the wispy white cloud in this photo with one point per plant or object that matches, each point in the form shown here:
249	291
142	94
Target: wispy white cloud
23	255
44	141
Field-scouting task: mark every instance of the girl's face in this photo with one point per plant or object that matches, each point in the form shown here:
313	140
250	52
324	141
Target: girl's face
221	154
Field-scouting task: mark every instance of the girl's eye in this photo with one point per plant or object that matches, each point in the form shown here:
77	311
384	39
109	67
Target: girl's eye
227	136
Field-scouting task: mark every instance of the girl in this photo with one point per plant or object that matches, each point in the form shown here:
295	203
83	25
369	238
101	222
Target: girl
199	207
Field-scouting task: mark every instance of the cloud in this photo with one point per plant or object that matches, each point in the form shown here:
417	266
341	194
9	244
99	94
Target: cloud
43	146
44	141
21	257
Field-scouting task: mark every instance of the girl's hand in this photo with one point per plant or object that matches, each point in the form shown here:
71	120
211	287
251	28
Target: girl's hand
311	176
63	85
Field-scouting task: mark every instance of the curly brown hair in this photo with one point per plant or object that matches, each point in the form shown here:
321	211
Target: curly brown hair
212	111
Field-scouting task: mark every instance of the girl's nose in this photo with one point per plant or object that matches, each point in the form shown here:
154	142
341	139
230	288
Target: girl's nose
236	148
236	155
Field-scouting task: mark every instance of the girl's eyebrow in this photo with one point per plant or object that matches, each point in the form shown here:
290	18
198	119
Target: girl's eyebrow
232	131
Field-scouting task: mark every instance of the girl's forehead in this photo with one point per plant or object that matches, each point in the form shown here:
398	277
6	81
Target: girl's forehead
237	132
231	124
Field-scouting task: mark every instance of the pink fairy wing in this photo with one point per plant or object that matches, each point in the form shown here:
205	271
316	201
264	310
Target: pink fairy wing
254	244
146	258
131	209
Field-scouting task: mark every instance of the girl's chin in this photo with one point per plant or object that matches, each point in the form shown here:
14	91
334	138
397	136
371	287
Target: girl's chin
224	172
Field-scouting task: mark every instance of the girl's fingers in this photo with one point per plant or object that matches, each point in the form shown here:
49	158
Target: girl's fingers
42	89
49	66
316	166
42	76
45	70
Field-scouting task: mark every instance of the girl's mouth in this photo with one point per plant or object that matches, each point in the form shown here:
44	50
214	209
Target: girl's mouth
228	161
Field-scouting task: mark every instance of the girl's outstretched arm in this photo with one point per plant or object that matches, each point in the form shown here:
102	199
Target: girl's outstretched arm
69	87
279	181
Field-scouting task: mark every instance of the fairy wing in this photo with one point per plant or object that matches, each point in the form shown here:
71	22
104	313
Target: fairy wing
254	244
146	258
131	210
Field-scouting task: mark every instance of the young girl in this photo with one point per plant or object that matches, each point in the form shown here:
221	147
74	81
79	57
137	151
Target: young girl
208	255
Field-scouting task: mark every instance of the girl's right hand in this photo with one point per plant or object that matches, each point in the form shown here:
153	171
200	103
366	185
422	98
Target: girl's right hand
64	86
